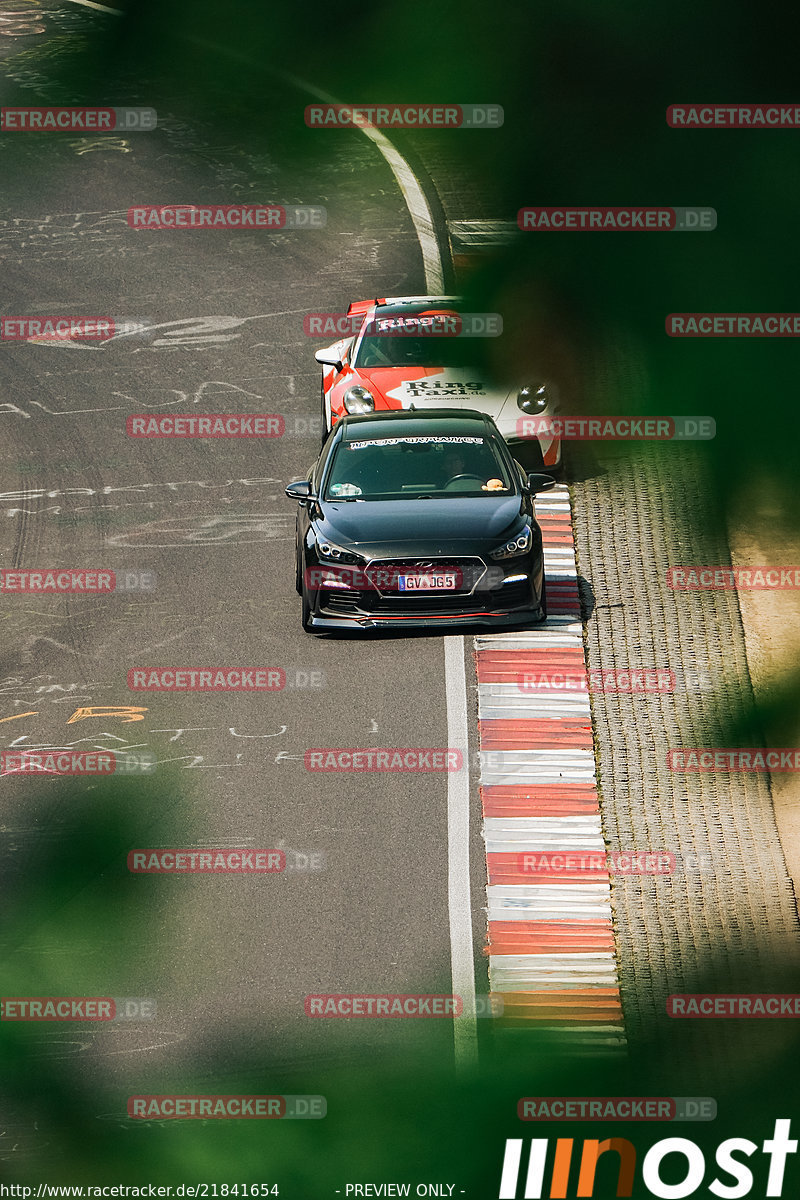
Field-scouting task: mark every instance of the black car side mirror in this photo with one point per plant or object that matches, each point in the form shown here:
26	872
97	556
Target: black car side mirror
300	490
540	483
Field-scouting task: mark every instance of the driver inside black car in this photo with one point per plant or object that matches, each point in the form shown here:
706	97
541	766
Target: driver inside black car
464	471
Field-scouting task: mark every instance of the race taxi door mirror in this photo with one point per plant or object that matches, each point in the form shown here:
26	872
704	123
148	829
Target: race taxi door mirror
540	483
326	359
300	490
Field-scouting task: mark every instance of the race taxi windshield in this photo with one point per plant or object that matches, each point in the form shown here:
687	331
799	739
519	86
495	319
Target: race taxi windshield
428	466
414	340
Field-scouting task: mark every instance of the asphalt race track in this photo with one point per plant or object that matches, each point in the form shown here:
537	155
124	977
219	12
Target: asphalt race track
209	520
393	882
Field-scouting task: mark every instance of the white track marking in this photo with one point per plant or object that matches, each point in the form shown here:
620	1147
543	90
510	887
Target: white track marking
458	886
114	12
413	195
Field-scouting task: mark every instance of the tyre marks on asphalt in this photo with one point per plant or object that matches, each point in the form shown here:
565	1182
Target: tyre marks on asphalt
551	941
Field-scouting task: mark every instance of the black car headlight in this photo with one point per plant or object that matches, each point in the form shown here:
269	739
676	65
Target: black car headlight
515	546
533	399
330	552
358	400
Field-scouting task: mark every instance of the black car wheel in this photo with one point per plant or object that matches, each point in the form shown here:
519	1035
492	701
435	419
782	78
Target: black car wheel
544	599
298	567
305	615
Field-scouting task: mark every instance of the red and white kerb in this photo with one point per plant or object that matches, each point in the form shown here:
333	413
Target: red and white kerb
551	941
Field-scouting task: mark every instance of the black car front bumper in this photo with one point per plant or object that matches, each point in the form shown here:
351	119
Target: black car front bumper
512	602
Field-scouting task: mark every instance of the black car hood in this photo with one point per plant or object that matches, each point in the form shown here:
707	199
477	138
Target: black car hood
414	526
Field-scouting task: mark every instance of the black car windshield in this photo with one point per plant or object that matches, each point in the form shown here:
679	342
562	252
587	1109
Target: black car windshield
417	465
414	340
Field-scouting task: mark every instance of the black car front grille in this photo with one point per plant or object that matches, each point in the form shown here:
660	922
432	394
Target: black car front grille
384	572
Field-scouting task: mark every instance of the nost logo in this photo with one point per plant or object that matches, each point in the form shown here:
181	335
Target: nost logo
685	1178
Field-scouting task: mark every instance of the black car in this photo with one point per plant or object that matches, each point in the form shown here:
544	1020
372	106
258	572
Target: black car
424	520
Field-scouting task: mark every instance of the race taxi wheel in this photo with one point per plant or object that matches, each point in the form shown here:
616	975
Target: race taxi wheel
544	599
529	455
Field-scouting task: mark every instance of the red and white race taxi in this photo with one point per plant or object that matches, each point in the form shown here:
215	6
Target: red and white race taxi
413	352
